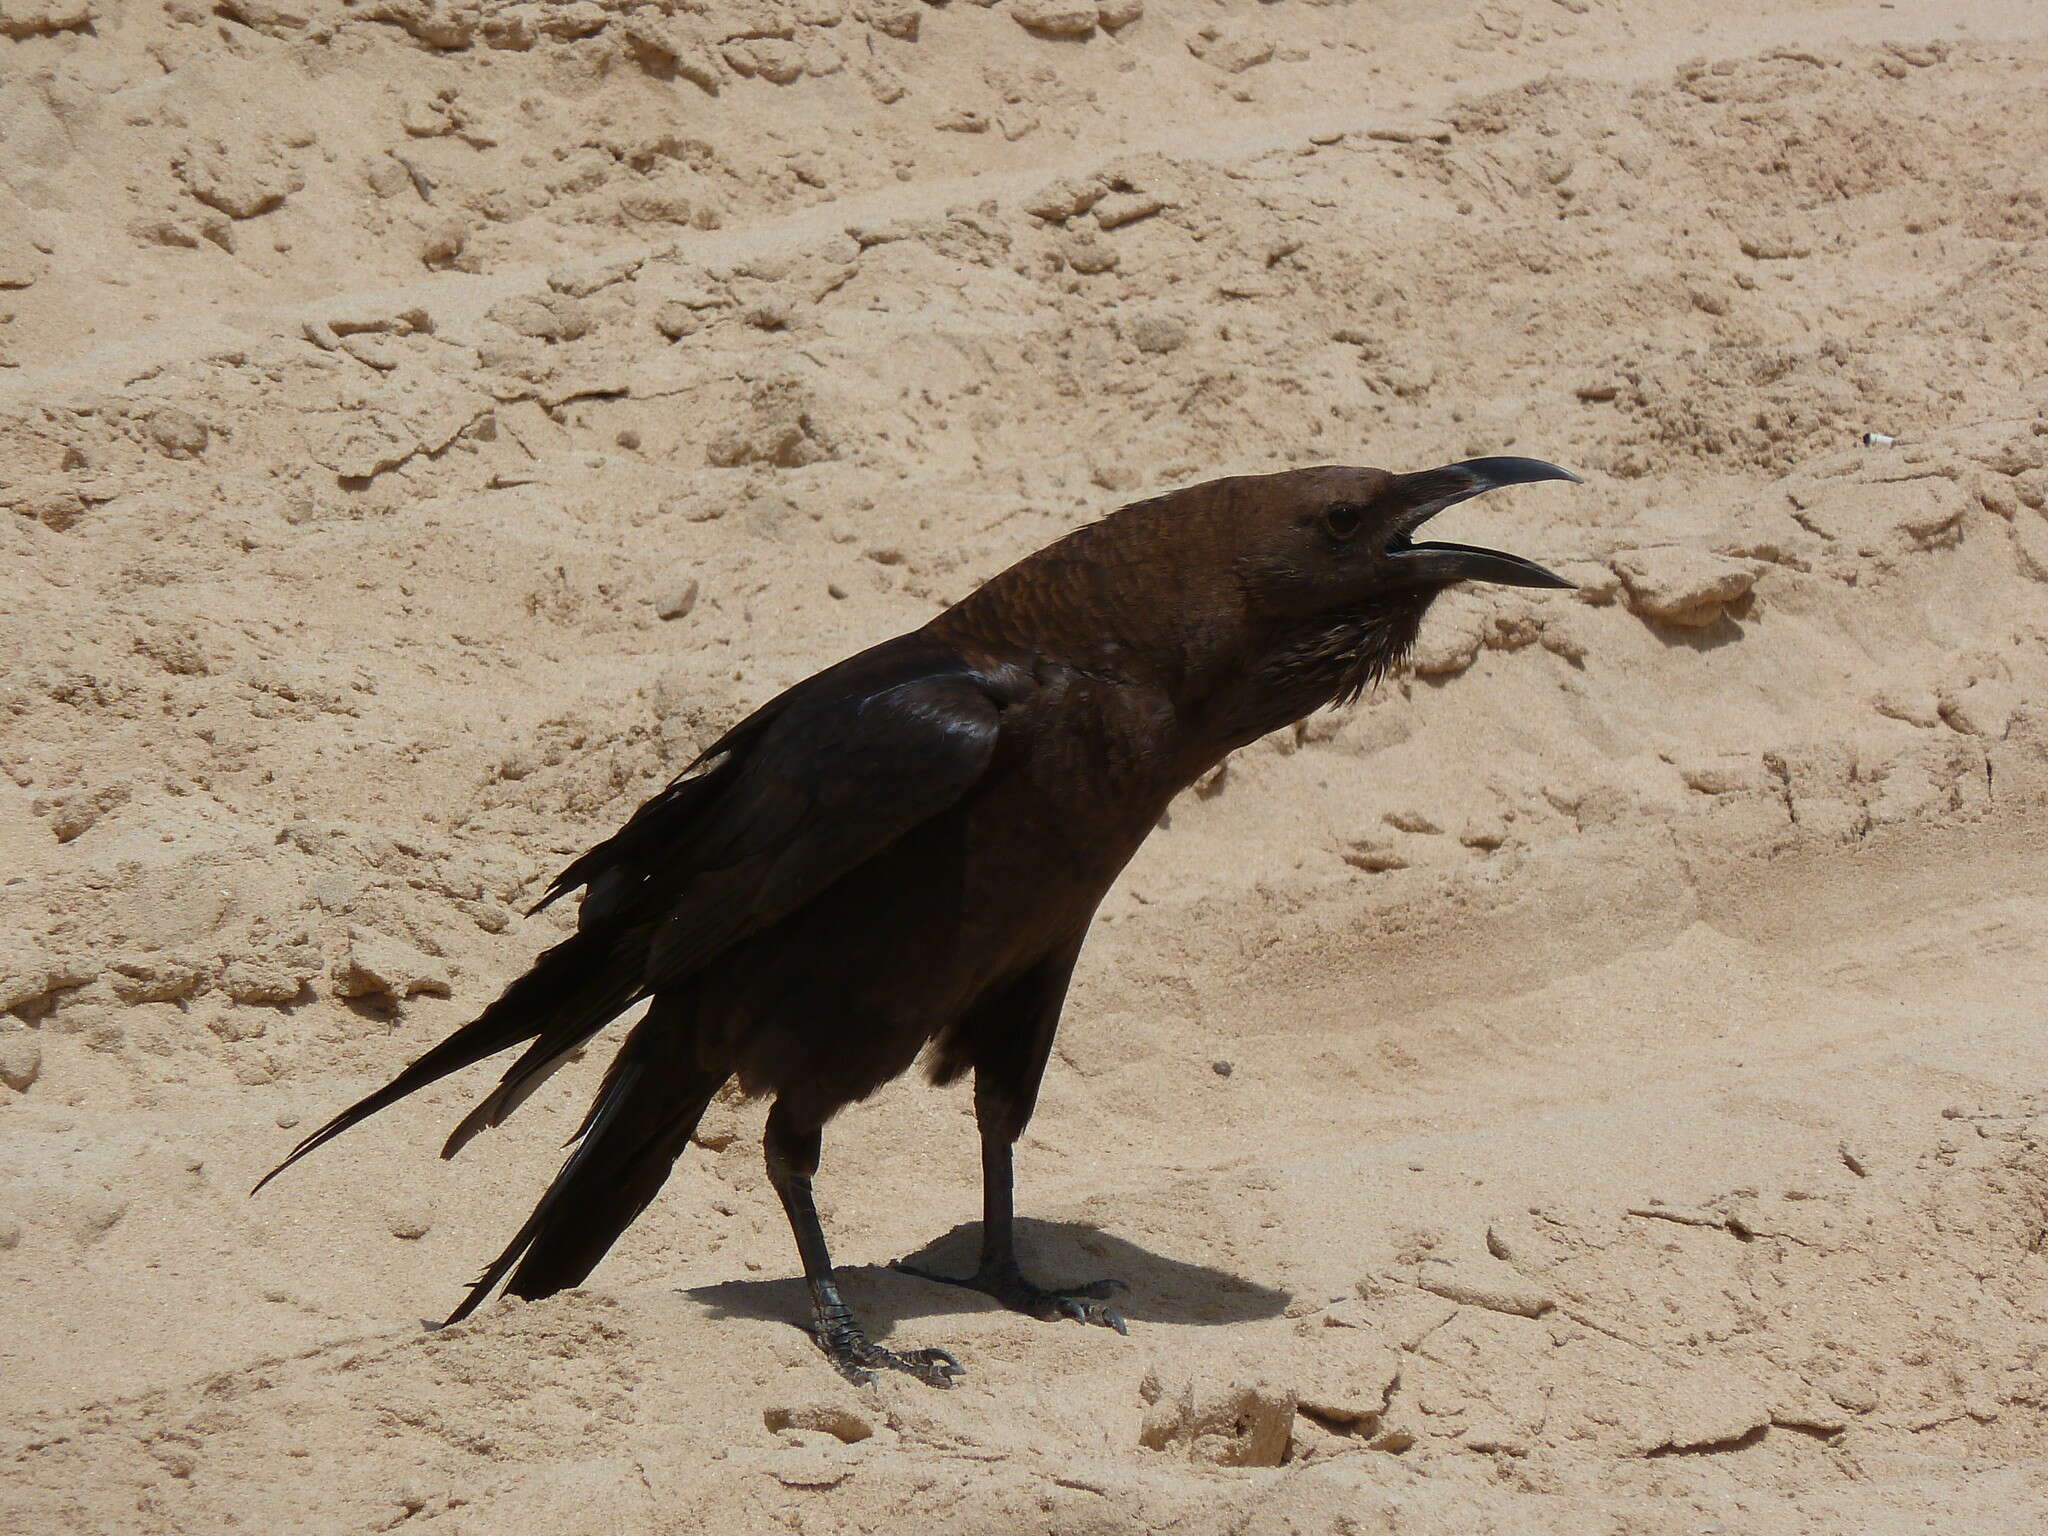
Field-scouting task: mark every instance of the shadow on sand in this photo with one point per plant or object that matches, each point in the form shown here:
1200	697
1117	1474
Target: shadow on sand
1055	1253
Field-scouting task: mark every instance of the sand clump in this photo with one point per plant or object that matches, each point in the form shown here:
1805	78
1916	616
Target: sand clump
1593	1085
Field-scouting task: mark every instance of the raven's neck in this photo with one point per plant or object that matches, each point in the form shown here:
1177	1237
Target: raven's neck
1133	599
1298	669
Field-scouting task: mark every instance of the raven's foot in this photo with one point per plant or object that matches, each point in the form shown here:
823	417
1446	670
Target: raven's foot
1006	1283
857	1359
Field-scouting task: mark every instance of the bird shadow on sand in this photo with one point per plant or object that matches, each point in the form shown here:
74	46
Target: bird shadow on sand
1054	1253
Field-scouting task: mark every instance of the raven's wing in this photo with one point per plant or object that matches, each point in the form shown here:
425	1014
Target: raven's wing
835	777
811	786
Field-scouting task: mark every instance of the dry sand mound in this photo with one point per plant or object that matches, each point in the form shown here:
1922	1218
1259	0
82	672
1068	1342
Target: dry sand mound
1597	1085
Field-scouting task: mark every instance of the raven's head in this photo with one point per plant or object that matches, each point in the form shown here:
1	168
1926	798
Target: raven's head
1333	581
1332	539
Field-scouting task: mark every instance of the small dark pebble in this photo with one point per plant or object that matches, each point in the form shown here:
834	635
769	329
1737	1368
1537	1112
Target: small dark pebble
1221	1068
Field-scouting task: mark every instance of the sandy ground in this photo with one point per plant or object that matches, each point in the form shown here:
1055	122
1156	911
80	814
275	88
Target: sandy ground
1597	1085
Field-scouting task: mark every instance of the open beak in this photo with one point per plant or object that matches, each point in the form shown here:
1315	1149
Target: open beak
1429	491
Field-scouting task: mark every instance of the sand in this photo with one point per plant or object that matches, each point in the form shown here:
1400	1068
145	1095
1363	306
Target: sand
1598	1084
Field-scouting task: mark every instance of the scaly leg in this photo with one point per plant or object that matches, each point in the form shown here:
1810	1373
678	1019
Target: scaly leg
998	1274
792	1156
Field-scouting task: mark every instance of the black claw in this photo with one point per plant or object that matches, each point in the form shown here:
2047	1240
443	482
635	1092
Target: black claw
1093	1312
858	1375
855	1358
934	1366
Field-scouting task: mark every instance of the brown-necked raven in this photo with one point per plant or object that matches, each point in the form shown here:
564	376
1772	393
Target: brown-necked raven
905	851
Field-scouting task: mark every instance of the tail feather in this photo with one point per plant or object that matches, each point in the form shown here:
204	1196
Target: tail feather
573	990
649	1104
535	1066
539	1062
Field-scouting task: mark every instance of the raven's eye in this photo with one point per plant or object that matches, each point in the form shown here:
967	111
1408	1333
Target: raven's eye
1343	519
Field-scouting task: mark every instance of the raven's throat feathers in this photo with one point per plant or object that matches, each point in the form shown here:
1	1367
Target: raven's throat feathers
1343	654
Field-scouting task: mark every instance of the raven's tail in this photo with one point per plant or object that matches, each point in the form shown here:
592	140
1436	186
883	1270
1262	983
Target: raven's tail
642	1118
572	991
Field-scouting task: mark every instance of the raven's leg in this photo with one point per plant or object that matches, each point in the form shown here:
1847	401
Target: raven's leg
998	1274
792	1154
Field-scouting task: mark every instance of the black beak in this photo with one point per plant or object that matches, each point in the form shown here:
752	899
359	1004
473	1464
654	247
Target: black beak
1429	491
